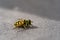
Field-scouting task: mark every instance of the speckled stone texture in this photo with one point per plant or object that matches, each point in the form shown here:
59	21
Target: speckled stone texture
45	29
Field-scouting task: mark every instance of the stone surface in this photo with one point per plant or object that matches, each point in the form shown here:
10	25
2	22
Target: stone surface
46	29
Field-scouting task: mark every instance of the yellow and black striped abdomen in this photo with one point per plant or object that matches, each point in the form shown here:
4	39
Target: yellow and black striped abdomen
19	23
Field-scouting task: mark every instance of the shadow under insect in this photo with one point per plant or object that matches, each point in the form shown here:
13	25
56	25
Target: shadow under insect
29	27
22	29
32	27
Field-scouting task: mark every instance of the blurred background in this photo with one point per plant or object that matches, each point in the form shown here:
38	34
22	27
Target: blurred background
44	8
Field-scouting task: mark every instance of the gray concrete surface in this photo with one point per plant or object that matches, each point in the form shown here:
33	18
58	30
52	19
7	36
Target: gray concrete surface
44	14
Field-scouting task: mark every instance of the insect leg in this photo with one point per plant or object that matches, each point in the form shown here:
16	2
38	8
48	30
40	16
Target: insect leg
24	27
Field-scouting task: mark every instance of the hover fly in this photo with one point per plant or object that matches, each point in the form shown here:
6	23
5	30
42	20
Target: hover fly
22	23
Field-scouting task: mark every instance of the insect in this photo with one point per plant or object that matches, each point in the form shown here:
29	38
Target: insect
22	23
